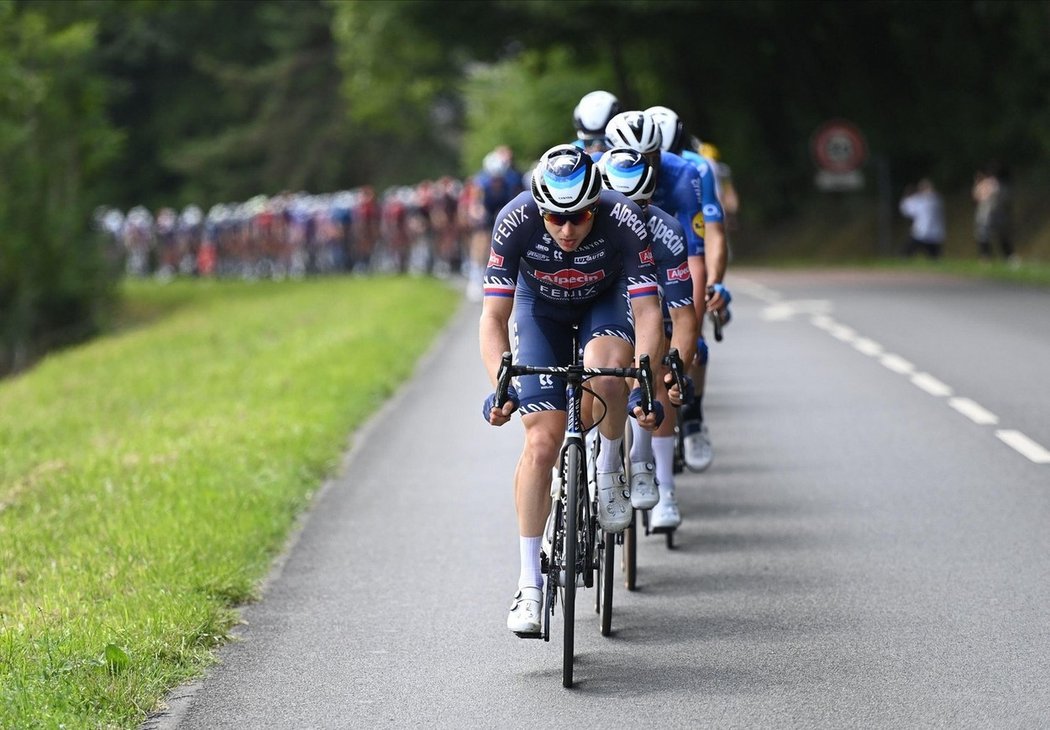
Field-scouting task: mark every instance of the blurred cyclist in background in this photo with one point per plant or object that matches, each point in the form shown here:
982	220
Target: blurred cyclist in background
591	116
498	183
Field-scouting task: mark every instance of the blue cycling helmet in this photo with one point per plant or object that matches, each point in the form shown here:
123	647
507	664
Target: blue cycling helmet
627	171
566	180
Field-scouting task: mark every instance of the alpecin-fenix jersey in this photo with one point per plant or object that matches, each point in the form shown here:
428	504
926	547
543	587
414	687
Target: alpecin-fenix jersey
678	193
524	255
669	253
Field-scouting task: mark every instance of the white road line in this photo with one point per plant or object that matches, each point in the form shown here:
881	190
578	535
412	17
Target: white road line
1024	446
822	321
897	364
930	384
844	333
975	412
758	291
868	347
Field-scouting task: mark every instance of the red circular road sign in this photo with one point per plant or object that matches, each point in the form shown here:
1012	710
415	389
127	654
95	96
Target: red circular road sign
839	146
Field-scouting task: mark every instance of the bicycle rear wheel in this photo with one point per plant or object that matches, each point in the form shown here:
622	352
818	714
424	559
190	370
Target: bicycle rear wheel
630	553
606	575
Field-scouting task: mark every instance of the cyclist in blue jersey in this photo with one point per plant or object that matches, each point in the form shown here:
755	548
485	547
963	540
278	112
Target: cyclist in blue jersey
498	183
590	118
567	253
652	454
710	293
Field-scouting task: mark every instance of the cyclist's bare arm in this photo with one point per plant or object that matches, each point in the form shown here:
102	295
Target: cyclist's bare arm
494	339
684	331
715	260
649	340
698	273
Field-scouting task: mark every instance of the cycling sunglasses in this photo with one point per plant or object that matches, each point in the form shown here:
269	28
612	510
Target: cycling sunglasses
577	219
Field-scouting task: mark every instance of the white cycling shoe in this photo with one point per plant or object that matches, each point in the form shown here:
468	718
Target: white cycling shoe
644	494
698	453
614	501
665	515
524	616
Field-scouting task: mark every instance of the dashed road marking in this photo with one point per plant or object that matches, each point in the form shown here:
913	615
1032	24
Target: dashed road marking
870	348
925	381
1024	446
897	364
781	310
974	411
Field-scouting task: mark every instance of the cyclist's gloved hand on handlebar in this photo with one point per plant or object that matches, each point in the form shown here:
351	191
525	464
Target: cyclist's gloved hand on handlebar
656	413
718	297
501	415
686	393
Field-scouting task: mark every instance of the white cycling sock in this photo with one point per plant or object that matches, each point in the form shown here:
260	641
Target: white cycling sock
642	442
609	459
663	447
529	551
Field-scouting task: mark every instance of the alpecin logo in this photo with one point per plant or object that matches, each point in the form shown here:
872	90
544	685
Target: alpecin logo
495	259
646	256
680	273
570	278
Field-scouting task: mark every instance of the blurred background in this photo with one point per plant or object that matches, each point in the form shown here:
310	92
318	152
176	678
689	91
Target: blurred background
113	105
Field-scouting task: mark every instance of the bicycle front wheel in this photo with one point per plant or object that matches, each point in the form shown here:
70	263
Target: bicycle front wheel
573	487
605	592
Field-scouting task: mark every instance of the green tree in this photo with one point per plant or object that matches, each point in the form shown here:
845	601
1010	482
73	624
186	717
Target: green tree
55	281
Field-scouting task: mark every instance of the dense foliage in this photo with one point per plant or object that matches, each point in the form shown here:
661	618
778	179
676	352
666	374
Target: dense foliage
218	101
55	281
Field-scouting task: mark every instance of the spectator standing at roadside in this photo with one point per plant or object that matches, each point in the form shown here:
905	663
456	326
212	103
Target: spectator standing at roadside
926	210
993	215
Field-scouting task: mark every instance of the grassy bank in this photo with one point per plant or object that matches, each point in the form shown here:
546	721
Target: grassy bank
148	479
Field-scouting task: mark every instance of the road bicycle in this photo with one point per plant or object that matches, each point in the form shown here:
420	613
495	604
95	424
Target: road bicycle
578	548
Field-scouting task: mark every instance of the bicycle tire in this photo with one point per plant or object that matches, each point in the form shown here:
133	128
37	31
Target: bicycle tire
573	465
605	580
630	554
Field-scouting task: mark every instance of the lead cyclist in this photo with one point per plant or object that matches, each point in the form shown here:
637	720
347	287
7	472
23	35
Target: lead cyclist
567	253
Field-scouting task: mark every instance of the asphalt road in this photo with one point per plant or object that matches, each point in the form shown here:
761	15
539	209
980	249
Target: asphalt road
869	549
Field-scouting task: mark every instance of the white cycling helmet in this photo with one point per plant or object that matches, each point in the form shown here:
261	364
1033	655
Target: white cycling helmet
627	171
670	127
593	113
636	130
566	180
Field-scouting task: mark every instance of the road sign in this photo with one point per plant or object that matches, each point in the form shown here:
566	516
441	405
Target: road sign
839	147
839	150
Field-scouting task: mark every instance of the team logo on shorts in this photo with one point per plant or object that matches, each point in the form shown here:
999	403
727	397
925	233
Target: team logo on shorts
698	224
495	259
680	273
646	256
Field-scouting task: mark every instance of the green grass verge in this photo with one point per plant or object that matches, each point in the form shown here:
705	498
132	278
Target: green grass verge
148	479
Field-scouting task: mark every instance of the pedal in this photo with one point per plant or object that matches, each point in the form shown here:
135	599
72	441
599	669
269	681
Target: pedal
524	635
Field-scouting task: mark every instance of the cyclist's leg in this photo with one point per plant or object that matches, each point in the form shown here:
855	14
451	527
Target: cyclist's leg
610	343
665	514
542	404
